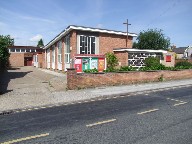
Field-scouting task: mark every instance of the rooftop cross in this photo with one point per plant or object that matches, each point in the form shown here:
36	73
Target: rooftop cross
127	31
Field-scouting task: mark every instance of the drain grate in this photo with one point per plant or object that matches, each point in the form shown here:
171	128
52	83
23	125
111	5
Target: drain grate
6	112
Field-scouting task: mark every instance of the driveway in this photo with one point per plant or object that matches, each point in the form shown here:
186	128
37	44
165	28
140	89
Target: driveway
33	84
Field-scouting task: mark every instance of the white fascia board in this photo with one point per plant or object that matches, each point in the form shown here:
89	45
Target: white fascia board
86	29
57	38
103	31
142	50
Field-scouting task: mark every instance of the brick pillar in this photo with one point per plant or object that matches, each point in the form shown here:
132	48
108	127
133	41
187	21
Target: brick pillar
50	58
71	78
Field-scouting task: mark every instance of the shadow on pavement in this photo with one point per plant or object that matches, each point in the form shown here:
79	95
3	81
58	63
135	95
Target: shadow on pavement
6	76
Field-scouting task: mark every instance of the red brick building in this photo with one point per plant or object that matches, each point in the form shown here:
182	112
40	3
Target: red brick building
22	55
78	44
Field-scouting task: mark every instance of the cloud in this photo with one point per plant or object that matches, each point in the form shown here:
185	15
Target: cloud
36	38
37	19
99	26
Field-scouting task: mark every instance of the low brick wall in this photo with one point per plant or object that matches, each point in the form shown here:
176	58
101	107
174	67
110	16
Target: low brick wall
85	80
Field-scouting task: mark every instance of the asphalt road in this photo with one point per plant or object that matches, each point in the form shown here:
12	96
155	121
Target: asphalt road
161	117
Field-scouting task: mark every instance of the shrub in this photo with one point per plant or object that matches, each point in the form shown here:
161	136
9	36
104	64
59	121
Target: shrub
183	64
112	60
152	61
91	70
127	68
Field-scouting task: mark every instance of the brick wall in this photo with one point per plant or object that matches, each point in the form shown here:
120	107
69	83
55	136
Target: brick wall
107	42
16	59
78	81
122	58
73	43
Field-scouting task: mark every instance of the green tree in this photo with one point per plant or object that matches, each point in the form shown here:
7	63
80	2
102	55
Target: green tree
152	39
5	41
112	60
134	44
40	43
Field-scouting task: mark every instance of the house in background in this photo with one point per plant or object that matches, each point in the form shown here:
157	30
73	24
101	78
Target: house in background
83	47
22	55
183	52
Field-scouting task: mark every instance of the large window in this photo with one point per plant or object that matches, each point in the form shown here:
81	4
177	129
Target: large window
87	44
67	49
59	52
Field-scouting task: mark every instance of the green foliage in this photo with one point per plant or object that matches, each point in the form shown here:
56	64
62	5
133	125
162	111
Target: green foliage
5	41
91	70
183	63
135	45
127	68
152	39
112	60
40	43
152	61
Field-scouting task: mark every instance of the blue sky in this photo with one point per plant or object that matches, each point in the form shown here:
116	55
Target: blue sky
29	20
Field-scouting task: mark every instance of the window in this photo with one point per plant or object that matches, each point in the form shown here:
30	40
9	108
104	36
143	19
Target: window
27	50
17	50
33	50
12	50
67	49
53	54
59	51
22	50
87	44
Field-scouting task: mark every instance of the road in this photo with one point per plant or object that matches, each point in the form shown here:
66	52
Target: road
159	117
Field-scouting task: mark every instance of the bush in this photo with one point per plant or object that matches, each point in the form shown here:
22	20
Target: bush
91	70
112	60
127	68
152	61
183	64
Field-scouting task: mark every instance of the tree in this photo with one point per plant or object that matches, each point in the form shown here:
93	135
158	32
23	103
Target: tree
152	39
134	44
40	43
5	41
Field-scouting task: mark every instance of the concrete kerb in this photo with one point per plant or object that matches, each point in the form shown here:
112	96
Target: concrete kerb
98	98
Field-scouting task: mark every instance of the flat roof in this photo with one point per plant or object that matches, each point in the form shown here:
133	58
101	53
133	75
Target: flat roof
138	50
28	47
89	29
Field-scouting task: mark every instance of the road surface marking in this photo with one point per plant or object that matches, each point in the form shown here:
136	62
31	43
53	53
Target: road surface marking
79	102
182	103
115	97
36	108
152	110
43	107
92	100
29	109
102	122
50	106
86	101
122	96
99	99
23	110
26	138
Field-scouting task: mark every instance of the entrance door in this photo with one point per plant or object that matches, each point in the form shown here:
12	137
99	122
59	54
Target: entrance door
28	61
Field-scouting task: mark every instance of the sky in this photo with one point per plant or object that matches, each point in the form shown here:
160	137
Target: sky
29	20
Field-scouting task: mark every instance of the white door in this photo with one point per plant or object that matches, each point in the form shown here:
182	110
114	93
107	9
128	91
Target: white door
53	58
67	52
48	58
59	56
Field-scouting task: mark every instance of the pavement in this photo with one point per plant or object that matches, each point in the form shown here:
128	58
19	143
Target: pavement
29	87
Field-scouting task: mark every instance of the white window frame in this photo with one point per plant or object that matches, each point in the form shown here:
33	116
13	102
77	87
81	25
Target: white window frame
67	49
59	45
88	47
